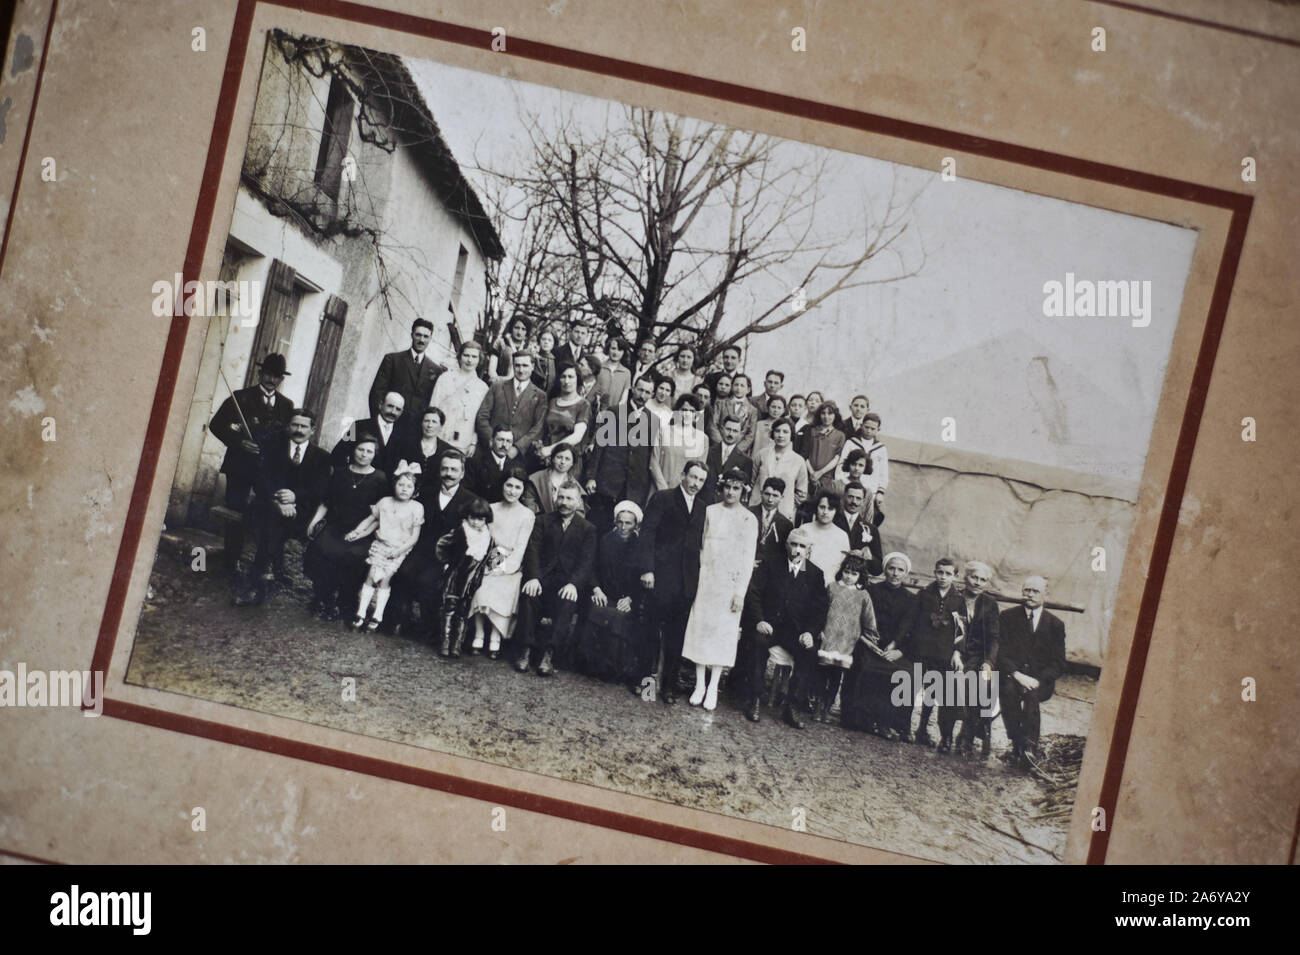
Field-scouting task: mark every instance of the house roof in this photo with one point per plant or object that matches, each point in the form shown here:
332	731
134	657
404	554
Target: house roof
414	123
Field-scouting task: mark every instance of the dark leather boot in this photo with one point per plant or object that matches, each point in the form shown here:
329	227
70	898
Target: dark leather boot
457	636
546	668
791	718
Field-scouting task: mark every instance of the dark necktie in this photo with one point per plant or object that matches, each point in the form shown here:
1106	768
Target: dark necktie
297	454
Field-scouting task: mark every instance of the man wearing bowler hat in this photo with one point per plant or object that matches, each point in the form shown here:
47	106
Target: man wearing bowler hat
247	423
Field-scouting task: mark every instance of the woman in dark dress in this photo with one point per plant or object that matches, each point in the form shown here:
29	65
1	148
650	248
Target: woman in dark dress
566	423
425	448
866	703
544	362
334	565
608	637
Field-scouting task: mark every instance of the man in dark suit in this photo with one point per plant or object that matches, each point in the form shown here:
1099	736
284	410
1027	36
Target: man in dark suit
725	455
291	482
786	605
977	645
730	362
419	579
383	426
514	340
668	555
619	466
773	382
645	365
515	403
485	468
1031	657
862	536
557	570
773	527
246	423
410	373
568	353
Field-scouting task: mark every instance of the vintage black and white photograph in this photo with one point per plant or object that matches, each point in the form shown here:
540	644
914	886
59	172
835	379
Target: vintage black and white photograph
644	452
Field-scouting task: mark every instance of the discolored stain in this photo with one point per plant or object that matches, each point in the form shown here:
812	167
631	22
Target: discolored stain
24	54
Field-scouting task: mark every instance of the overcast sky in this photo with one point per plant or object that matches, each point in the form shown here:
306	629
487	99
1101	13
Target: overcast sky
973	315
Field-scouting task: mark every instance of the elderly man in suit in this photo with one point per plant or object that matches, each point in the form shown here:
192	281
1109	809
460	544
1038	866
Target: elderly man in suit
668	555
724	455
977	646
291	482
384	426
246	423
515	403
419	579
619	466
411	373
785	606
1031	657
557	571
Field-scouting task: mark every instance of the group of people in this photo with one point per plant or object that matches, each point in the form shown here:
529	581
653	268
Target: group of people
602	510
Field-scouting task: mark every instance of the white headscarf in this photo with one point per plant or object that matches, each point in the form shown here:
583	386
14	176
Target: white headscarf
629	506
897	555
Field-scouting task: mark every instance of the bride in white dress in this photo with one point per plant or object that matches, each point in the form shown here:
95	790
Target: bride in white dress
726	563
497	598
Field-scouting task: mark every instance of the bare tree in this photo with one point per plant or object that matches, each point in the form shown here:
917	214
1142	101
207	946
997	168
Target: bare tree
666	219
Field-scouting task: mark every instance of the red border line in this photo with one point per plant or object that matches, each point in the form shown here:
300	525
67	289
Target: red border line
27	137
26	858
456	785
778	102
175	346
1239	203
1197	21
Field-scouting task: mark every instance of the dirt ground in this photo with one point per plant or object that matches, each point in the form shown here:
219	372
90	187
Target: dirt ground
855	787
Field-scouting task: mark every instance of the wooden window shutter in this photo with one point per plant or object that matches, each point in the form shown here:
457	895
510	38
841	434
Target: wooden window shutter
327	354
334	139
279	311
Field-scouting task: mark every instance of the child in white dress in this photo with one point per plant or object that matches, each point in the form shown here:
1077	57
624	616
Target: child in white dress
397	520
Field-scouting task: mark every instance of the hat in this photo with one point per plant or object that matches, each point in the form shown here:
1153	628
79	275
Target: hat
629	506
800	535
273	364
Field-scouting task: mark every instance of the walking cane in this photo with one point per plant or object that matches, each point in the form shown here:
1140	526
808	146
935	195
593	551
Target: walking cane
240	411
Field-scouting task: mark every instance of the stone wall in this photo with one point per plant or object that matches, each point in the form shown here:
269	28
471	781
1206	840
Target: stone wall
1019	518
